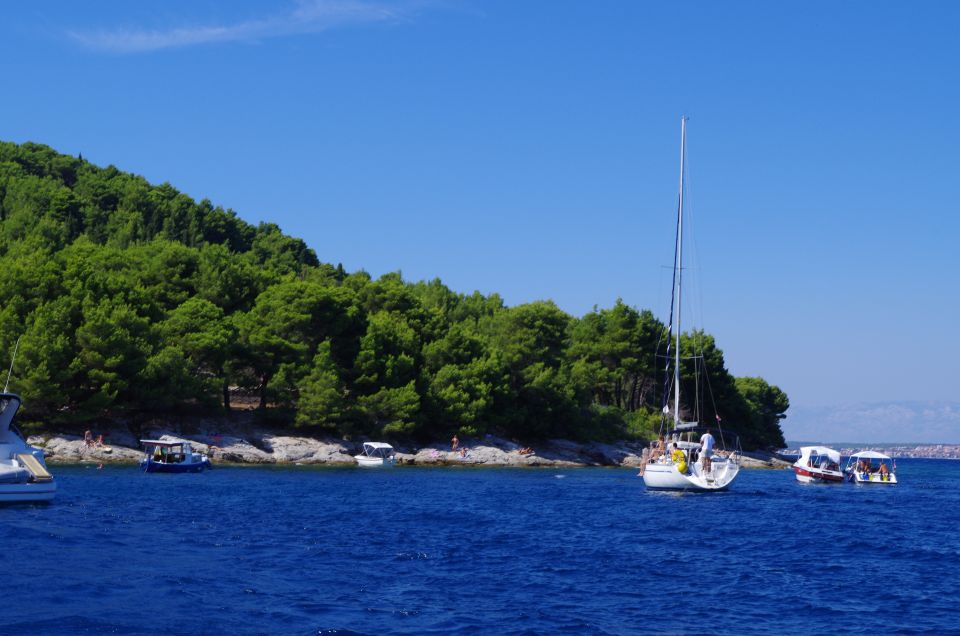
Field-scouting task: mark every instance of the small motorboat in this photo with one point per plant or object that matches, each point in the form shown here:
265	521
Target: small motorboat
163	456
23	472
376	454
871	467
818	464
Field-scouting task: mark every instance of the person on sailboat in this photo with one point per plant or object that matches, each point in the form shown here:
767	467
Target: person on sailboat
706	450
679	458
657	449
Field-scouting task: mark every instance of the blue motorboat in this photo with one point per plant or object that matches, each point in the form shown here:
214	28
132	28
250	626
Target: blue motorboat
162	456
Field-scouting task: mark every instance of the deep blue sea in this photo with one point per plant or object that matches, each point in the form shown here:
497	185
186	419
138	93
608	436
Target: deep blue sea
463	550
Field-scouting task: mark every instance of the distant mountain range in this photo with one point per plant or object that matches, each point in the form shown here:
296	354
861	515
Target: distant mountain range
876	423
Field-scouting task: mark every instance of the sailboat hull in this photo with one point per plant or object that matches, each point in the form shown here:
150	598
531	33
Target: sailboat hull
667	477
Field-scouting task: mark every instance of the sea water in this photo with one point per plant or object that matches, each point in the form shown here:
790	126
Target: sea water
461	550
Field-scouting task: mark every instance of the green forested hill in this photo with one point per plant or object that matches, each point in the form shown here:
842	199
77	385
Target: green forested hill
131	298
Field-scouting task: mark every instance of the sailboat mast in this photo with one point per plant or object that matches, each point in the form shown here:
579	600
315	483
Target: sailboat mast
678	273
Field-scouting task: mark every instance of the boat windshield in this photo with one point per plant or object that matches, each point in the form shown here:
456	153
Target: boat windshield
824	461
7	418
871	464
166	454
16	431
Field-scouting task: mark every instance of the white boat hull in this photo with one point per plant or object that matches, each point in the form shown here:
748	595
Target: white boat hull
808	475
665	476
374	462
873	478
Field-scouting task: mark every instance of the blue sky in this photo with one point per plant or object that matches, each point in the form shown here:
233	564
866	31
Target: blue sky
531	149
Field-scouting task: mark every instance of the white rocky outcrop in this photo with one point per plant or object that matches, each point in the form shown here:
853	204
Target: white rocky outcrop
307	450
494	451
73	449
245	443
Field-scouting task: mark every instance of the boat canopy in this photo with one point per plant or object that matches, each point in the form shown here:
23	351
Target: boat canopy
377	450
869	455
807	451
162	443
714	430
725	439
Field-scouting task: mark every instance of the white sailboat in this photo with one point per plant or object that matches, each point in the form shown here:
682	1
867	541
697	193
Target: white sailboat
681	466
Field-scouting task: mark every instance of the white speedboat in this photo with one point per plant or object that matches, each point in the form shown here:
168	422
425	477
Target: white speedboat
871	467
818	464
376	454
684	469
23	472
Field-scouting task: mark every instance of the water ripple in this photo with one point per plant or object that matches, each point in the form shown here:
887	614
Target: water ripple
420	551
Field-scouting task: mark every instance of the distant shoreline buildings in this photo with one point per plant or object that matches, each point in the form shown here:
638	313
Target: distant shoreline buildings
925	451
919	451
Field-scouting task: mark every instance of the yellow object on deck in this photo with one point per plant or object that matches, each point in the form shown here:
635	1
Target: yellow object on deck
30	463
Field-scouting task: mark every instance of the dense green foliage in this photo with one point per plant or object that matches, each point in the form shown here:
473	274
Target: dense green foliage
132	298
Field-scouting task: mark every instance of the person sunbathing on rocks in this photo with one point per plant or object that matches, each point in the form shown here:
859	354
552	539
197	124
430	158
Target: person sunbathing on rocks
89	440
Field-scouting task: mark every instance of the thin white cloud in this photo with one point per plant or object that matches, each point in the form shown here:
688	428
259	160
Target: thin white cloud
308	16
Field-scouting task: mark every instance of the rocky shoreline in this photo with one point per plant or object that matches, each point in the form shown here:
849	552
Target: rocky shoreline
245	443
